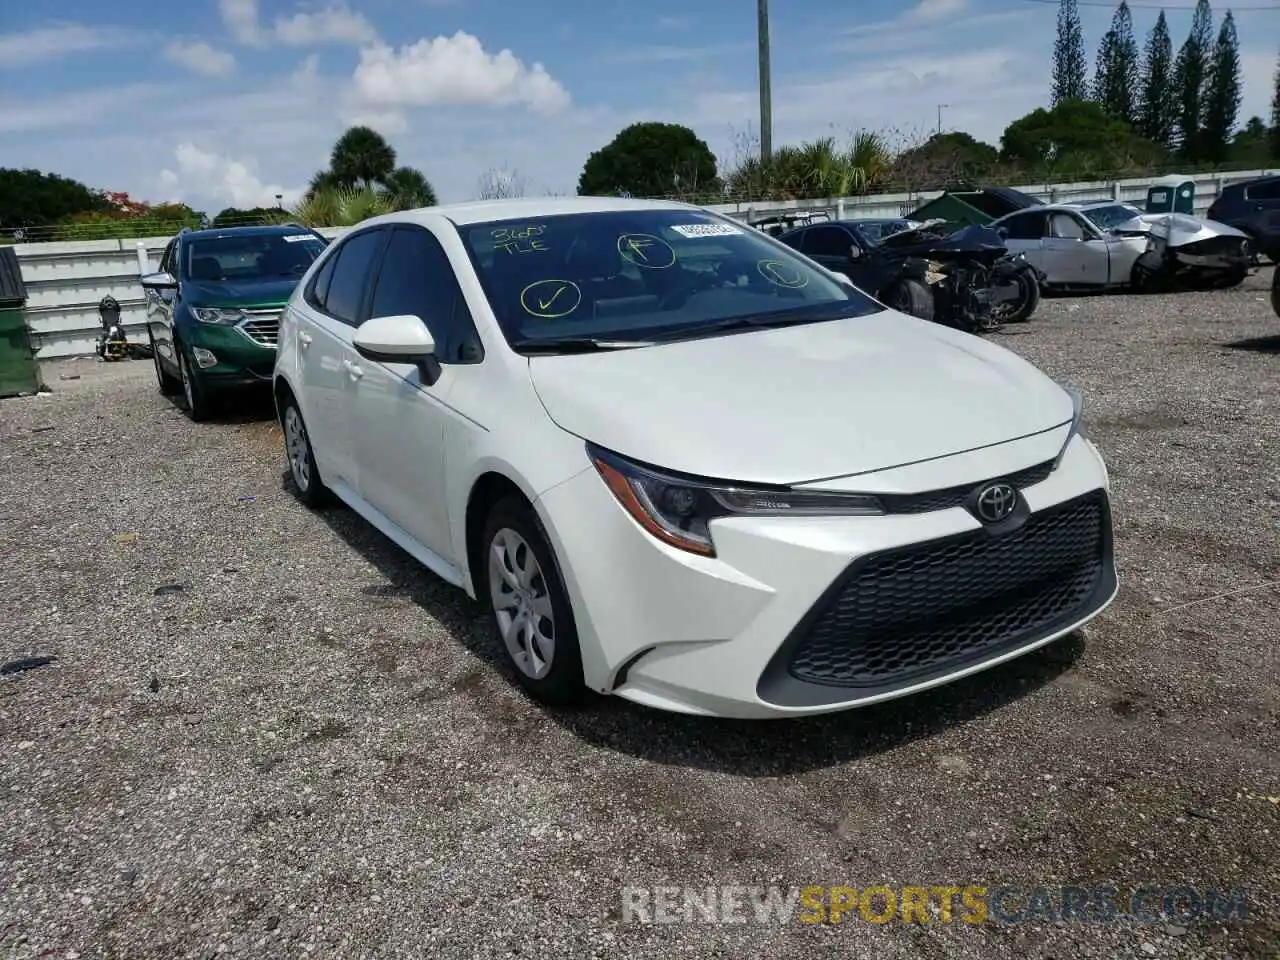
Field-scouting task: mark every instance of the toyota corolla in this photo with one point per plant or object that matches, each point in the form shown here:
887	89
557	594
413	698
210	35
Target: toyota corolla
685	465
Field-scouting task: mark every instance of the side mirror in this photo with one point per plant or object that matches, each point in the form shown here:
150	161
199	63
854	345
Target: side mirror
159	281
399	339
855	252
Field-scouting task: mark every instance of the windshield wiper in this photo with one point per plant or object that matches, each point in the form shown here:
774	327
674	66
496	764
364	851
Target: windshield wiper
762	321
574	344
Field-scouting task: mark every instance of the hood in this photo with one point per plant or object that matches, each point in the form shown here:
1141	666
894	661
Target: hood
940	237
1178	229
271	292
804	403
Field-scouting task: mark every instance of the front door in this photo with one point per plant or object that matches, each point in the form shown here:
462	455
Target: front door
833	247
1075	253
402	419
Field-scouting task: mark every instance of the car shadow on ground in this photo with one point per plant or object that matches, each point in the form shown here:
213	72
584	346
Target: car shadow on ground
247	406
743	748
1257	344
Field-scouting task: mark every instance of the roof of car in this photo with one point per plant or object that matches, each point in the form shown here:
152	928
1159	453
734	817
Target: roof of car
270	230
487	211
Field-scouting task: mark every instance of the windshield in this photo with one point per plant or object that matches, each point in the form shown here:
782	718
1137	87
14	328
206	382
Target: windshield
637	274
1108	218
873	231
262	256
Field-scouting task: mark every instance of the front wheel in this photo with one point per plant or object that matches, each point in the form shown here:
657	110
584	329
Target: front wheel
195	397
909	295
521	580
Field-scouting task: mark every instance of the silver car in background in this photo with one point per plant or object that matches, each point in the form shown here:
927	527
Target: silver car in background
1106	244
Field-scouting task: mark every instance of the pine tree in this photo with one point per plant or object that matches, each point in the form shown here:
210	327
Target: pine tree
1191	73
1070	69
1158	103
1275	115
1116	78
1222	101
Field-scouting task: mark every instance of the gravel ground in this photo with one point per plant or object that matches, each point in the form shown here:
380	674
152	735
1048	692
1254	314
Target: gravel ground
305	745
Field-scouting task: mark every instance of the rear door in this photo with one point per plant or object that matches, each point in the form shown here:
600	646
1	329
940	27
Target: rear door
1024	234
334	306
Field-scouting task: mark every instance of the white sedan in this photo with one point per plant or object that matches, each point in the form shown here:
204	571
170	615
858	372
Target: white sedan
683	464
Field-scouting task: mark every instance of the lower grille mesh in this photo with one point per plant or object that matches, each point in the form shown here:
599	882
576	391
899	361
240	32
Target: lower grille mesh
906	615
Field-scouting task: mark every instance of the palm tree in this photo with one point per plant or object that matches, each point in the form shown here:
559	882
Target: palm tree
409	189
341	206
361	156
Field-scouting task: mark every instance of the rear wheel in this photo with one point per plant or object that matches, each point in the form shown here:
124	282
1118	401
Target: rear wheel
909	295
521	581
303	472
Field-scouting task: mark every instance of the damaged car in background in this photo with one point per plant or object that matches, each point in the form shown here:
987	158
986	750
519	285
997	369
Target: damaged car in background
963	278
1105	244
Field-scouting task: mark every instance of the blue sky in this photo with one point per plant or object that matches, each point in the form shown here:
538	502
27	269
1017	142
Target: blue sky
229	102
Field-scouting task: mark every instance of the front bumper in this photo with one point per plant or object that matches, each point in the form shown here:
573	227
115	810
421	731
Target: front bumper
811	615
246	355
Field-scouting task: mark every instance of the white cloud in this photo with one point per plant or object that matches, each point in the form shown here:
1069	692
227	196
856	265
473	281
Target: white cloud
930	11
335	24
199	57
211	176
453	70
60	40
240	17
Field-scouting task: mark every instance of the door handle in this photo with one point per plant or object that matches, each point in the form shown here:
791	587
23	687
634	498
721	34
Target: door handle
355	371
304	339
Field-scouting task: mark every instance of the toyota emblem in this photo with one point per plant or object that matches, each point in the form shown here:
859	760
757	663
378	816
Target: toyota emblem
996	502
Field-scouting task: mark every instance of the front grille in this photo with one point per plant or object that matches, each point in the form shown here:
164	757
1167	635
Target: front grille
261	326
906	615
955	496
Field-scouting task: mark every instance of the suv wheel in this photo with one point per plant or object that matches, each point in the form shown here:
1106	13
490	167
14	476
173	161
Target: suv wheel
194	396
521	581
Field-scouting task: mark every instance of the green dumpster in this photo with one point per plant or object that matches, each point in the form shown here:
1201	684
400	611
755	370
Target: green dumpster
18	370
973	208
1172	194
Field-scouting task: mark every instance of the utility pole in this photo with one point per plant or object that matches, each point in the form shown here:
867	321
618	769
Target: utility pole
766	99
941	107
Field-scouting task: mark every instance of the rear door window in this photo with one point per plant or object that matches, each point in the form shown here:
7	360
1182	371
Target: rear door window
345	296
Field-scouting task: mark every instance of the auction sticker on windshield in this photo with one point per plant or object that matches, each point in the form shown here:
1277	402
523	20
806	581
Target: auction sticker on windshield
694	230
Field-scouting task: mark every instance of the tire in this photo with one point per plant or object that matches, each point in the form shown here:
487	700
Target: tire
909	295
195	398
170	386
304	475
519	578
1030	300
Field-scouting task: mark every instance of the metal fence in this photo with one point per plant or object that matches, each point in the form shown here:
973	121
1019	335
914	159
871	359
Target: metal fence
65	280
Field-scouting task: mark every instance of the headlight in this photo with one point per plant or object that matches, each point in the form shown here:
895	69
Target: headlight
678	510
1077	407
216	315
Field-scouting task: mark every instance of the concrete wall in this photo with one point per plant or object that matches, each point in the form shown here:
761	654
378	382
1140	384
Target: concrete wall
66	280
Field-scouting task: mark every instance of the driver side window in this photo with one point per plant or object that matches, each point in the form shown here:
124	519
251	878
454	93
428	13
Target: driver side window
168	259
827	242
1066	227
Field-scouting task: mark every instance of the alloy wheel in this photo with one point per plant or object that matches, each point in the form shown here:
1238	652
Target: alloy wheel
521	603
295	440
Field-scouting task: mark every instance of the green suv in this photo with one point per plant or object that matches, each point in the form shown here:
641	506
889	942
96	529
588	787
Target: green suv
213	309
